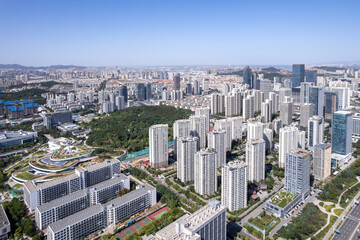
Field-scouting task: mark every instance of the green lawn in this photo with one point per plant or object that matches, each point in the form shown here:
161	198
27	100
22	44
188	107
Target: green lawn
338	211
329	207
26	176
264	220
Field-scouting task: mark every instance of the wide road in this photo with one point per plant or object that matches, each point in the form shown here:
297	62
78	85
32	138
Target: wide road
349	226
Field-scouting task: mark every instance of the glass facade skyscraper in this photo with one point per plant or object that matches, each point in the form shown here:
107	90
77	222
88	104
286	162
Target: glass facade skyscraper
311	76
331	103
341	132
247	74
298	74
316	97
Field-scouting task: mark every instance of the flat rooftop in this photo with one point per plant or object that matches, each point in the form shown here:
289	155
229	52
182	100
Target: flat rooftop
130	196
116	179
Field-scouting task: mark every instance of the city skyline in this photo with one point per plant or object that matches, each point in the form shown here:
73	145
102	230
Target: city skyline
182	33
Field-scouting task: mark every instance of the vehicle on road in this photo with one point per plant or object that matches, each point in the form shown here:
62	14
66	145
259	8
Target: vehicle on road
337	231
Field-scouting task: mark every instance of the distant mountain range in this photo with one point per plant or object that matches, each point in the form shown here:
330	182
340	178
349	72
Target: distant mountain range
52	67
270	69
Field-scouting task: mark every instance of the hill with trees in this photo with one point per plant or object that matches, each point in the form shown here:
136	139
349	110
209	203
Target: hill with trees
129	129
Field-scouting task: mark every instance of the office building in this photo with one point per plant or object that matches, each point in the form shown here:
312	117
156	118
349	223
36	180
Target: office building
12	138
36	195
341	132
322	161
148	91
298	74
78	225
297	172
216	141
331	104
255	129
343	97
52	120
207	223
306	112
316	97
158	145
356	126
206	173
305	92
4	224
123	207
198	129
186	149
286	111
311	76
248	77
123	92
217	103
288	141
234	185
177	82
315	131
255	159
141	92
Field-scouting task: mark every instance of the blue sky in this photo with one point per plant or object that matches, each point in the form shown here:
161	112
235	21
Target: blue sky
150	32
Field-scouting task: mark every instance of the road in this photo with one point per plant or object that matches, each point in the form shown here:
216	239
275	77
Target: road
349	226
337	222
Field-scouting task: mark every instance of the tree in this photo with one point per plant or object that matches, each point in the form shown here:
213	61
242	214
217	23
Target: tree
28	226
14	208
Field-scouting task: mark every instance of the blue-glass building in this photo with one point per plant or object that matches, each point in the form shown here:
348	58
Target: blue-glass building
298	74
316	97
341	132
248	77
311	76
331	103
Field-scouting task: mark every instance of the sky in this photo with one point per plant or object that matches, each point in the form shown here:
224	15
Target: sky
178	32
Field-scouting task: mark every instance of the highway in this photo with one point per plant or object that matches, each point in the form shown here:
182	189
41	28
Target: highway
349	226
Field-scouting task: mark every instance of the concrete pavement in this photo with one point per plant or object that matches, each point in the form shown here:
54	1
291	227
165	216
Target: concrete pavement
349	226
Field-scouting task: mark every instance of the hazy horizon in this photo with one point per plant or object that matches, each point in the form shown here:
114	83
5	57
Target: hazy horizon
184	33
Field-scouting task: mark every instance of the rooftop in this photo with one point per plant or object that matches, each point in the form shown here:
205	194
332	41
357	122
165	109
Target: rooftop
63	200
116	179
141	190
300	153
282	199
77	217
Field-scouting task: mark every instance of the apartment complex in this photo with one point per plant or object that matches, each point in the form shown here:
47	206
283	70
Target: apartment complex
36	195
234	185
97	216
158	145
